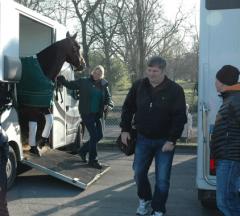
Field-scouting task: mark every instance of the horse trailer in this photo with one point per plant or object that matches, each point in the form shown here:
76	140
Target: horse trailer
24	32
219	45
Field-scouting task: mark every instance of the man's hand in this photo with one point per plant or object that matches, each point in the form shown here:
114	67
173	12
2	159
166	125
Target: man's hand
125	136
168	146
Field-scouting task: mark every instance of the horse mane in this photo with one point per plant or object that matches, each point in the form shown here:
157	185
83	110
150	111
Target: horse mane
51	58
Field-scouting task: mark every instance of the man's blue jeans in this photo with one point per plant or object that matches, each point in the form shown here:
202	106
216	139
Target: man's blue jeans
146	150
228	187
94	127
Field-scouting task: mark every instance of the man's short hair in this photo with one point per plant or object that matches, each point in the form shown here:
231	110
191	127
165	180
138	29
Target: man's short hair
157	61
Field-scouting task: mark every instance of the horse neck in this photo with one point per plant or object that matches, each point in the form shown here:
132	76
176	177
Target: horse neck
51	60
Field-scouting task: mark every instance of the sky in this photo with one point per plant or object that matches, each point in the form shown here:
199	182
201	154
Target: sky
171	7
192	6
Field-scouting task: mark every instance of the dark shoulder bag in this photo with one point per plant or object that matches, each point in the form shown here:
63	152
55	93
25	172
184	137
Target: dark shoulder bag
130	148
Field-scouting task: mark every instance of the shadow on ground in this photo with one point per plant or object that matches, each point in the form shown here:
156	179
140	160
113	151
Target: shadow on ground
114	194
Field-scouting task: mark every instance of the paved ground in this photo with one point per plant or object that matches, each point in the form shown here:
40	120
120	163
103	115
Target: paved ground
114	194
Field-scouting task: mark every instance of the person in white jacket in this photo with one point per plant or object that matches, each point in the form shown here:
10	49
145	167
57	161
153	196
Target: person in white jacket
187	131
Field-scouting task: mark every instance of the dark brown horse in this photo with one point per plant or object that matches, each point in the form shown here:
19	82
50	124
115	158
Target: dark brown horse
35	90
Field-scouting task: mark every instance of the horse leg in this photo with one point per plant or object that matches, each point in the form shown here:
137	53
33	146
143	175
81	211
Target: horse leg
32	133
48	126
33	117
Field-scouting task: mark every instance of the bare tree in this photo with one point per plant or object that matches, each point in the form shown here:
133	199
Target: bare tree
33	4
141	53
104	24
145	31
60	10
125	44
84	10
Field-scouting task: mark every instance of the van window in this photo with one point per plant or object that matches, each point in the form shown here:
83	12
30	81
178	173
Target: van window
222	4
33	36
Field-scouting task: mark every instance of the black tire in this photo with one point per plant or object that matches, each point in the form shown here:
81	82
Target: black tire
209	204
11	168
207	198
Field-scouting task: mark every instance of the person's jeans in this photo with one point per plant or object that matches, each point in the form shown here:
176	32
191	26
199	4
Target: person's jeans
3	179
94	127
228	187
146	150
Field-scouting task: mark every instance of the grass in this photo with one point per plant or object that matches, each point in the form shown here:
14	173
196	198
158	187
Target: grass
119	96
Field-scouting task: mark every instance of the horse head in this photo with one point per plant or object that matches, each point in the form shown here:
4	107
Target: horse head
52	58
73	54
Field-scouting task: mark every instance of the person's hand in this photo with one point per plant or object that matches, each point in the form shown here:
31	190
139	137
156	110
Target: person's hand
125	136
61	79
168	146
107	108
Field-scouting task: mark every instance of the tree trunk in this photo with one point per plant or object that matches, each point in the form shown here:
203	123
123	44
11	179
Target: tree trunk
140	39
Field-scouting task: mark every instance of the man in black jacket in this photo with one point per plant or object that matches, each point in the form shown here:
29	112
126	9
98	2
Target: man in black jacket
159	109
225	142
3	176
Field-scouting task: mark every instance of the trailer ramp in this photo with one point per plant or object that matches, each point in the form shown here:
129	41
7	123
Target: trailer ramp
66	167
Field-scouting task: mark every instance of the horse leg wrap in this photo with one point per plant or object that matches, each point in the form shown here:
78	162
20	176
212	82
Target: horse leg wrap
48	125
32	133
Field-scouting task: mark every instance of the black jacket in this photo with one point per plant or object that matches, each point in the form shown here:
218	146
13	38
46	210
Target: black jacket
160	112
225	139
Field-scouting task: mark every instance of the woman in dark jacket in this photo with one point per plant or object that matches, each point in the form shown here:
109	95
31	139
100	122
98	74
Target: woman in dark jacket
94	99
225	142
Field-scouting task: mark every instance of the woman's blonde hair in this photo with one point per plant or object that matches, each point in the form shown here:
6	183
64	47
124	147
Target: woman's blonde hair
99	67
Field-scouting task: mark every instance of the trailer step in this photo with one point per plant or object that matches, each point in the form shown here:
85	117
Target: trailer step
66	167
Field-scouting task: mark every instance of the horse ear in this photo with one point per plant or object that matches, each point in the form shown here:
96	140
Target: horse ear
74	36
68	35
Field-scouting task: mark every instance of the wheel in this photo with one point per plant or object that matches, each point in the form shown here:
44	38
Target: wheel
207	198
11	168
209	204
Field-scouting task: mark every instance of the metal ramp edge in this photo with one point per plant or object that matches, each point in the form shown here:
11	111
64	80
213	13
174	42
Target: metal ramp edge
65	167
55	174
98	176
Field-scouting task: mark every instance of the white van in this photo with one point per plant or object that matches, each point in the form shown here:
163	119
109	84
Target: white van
24	32
219	45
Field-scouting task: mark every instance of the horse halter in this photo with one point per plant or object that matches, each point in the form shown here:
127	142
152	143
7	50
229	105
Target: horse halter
74	58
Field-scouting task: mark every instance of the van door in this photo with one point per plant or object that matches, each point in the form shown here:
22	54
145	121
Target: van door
9	52
59	108
72	114
66	115
9	33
